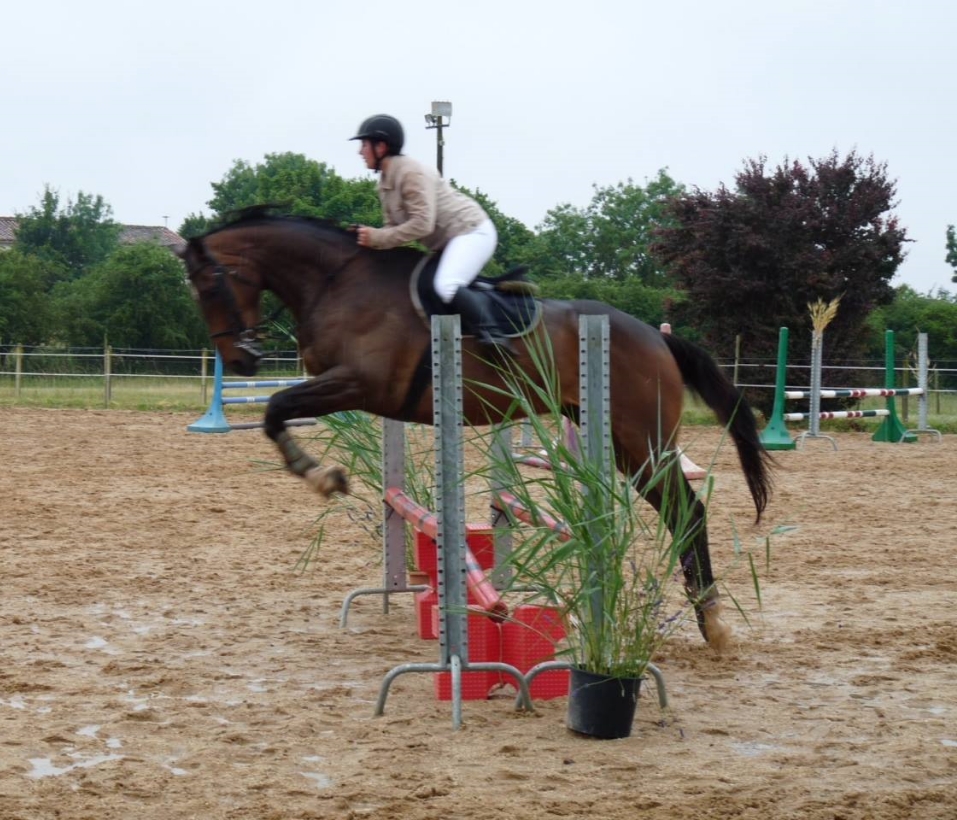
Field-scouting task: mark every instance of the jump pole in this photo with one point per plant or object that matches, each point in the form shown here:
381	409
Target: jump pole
450	527
691	470
776	437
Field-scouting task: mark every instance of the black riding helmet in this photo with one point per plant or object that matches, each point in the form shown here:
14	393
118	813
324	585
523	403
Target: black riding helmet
382	128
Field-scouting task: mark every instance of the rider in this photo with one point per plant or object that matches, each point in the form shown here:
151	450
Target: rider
418	204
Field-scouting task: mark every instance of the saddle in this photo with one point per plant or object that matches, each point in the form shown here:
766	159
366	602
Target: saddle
510	298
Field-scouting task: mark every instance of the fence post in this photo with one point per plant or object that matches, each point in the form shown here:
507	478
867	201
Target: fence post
18	356
737	357
203	372
107	387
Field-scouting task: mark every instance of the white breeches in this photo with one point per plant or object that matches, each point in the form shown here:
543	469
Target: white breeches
463	259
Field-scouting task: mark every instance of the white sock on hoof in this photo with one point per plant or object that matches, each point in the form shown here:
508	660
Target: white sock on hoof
326	480
719	633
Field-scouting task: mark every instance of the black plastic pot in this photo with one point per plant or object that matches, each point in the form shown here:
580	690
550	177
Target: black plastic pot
600	706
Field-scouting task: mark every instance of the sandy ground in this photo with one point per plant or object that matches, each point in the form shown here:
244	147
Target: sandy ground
161	658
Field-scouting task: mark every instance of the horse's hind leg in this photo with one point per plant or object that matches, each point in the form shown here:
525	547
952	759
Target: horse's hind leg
685	517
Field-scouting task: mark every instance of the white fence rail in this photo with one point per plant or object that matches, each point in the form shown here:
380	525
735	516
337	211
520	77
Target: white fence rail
24	367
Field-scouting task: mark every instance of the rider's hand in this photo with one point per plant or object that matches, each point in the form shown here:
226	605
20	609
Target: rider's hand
362	235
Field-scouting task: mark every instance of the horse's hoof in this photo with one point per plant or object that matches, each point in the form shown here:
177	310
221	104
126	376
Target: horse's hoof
327	481
717	632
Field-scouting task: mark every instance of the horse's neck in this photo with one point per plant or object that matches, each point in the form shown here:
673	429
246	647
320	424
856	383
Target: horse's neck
296	271
306	275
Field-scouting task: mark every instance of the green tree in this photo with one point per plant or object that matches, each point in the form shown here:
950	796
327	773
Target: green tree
299	185
136	298
194	225
951	258
611	238
513	235
751	259
24	305
561	247
630	295
911	313
74	237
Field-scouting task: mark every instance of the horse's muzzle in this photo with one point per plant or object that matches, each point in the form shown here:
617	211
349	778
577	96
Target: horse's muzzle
249	351
249	344
244	367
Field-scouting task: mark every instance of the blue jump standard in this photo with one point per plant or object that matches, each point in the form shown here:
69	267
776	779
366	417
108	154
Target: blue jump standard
214	420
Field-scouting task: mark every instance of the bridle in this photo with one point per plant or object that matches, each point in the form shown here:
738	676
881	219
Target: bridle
247	337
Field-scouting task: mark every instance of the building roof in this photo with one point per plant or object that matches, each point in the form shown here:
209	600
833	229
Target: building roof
129	234
8	227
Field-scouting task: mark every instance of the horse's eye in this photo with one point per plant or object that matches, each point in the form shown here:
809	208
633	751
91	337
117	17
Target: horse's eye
202	284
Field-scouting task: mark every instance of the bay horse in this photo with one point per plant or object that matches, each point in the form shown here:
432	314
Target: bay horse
362	341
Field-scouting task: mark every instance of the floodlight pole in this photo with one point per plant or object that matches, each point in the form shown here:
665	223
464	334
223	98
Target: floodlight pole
439	144
437	120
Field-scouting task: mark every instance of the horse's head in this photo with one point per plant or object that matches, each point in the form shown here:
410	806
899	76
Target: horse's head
229	301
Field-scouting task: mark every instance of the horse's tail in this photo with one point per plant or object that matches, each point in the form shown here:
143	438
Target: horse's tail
702	375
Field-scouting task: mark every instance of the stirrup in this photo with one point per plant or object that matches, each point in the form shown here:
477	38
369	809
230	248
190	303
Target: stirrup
496	341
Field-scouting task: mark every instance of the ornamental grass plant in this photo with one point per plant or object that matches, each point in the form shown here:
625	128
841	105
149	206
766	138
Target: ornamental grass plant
609	566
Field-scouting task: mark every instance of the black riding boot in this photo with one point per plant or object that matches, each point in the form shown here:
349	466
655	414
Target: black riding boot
474	311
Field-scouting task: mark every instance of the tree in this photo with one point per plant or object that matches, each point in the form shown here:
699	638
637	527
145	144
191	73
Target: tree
752	259
73	238
951	258
513	235
631	295
24	304
298	184
561	247
911	313
137	298
611	238
194	225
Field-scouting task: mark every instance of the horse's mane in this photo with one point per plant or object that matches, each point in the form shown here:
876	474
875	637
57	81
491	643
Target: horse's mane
268	214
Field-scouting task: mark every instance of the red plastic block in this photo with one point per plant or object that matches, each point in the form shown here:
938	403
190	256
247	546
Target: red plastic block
426	557
484	645
424	603
529	638
481	540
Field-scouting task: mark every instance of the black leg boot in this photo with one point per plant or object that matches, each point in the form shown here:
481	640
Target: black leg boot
474	312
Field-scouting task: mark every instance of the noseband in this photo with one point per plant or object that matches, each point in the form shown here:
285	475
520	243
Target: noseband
247	338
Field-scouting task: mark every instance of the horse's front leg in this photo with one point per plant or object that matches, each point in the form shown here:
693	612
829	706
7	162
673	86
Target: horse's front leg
330	392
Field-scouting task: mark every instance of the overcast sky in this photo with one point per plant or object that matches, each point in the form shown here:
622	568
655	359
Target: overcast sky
149	103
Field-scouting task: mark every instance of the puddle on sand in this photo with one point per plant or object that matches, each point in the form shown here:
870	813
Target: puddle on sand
322	781
43	766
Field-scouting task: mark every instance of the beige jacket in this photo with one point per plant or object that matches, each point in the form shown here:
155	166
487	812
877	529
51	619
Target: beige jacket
419	205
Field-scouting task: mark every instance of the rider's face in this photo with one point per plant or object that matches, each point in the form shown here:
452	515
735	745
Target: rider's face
368	153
